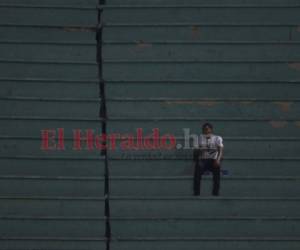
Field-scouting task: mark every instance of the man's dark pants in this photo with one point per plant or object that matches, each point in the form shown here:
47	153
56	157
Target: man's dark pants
201	166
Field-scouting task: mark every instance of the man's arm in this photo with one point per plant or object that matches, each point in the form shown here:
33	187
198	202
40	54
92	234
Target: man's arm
220	151
220	154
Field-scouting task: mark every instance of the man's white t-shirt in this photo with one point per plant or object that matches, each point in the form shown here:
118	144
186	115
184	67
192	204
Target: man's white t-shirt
208	145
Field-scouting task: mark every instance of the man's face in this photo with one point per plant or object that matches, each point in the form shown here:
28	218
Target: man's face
207	130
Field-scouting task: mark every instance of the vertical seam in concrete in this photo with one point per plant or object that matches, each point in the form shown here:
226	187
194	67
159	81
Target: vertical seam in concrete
103	119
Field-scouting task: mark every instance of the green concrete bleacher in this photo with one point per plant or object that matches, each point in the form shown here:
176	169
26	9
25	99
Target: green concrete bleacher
175	64
167	64
48	78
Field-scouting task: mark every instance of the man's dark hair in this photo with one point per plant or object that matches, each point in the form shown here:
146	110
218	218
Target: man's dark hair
207	124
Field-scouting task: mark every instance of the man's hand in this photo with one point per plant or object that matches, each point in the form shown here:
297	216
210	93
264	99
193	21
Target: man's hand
216	163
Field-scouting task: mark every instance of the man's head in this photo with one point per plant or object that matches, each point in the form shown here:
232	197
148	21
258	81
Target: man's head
207	128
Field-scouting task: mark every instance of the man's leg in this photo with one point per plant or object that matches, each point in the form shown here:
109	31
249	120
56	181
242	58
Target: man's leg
216	171
198	171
